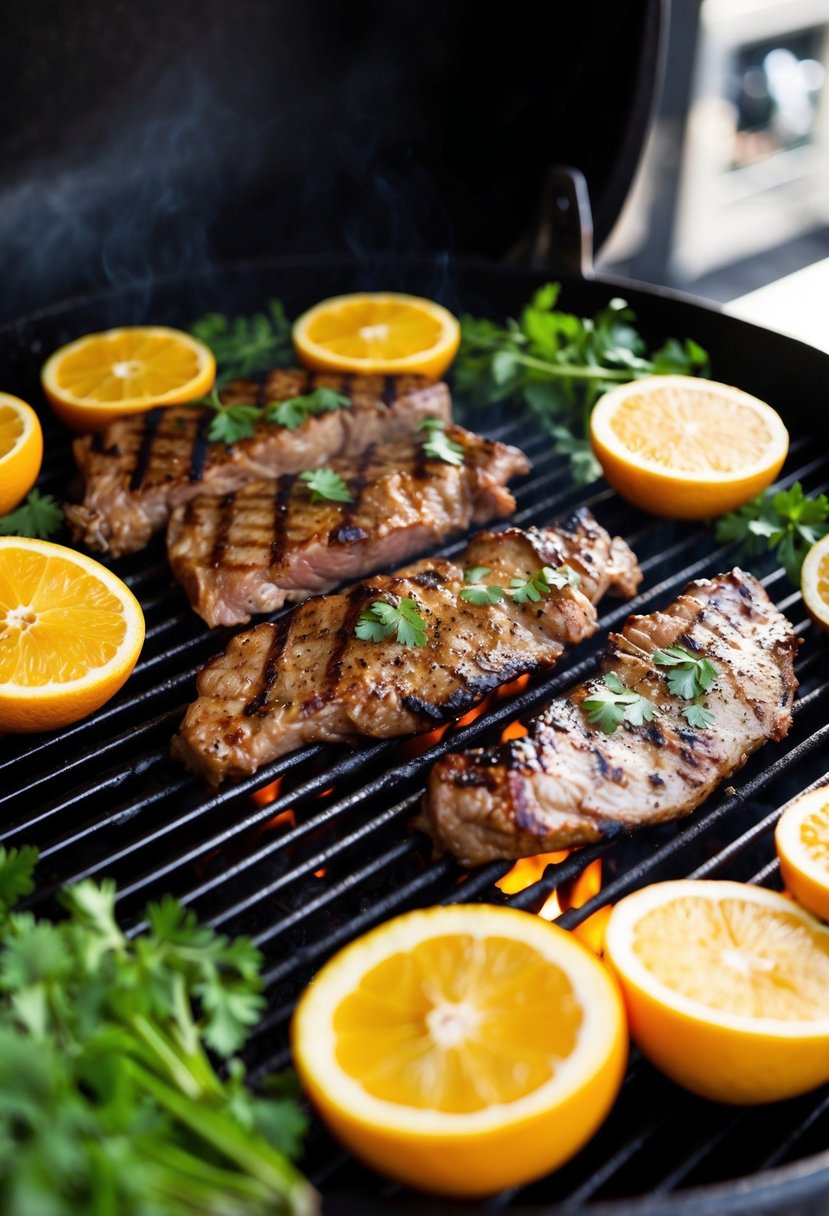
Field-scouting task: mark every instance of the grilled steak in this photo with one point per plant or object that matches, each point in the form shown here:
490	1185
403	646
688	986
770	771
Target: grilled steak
567	783
307	677
268	542
141	466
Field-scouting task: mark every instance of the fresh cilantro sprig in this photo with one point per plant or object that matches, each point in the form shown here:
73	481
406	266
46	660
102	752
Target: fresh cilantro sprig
614	704
698	716
39	515
382	620
326	485
238	420
243	346
558	364
689	676
110	1099
521	590
437	443
786	523
296	410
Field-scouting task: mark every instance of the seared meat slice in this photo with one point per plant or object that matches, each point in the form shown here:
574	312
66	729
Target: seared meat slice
141	466
268	542
569	784
307	676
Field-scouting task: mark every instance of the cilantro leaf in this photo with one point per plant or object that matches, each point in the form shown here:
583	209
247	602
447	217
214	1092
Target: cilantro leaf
786	523
698	716
246	345
690	676
326	485
608	707
38	516
294	411
233	422
542	583
474	574
438	445
384	619
479	593
16	875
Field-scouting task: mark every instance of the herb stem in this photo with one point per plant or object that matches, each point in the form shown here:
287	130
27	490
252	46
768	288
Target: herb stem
574	371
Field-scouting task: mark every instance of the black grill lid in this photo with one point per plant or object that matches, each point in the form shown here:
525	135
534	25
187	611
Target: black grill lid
174	133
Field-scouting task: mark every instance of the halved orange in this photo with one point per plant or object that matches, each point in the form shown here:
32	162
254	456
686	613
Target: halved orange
462	1049
801	840
70	634
725	986
21	451
687	447
814	582
380	332
124	371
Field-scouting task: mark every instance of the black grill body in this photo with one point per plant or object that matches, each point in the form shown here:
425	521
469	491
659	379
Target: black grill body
305	866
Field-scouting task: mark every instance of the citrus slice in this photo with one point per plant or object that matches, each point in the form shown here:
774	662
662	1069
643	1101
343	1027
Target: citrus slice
686	447
814	582
377	333
801	839
21	450
124	371
70	634
726	987
462	1049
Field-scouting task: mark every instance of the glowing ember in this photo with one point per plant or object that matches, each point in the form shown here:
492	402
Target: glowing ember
514	730
285	818
321	872
268	793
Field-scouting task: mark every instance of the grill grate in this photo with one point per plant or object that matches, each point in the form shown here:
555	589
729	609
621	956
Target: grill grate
326	853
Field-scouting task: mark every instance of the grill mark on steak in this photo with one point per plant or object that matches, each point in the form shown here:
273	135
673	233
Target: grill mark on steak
224	516
152	421
330	685
282	500
199	451
388	391
346	532
258	704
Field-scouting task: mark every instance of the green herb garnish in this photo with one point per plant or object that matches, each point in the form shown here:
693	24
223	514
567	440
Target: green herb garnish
438	445
521	590
326	485
39	515
296	410
786	523
609	707
558	365
110	1099
245	345
698	716
384	619
690	677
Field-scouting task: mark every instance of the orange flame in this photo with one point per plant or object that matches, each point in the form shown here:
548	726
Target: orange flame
321	872
528	870
575	894
268	793
285	818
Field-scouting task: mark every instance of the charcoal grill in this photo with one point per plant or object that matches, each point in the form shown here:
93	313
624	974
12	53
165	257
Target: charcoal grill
305	866
317	847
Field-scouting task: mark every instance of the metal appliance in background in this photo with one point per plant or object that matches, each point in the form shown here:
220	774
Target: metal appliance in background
318	847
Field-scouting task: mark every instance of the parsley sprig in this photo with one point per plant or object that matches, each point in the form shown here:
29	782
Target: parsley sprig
382	620
437	443
614	704
110	1098
786	523
689	677
246	345
39	515
521	590
238	420
558	364
326	485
